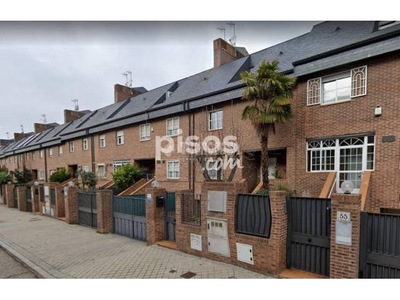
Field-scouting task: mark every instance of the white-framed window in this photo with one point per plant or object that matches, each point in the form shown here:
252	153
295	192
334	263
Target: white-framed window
120	163
27	156
120	137
338	87
60	150
349	157
20	157
145	132
71	147
51	152
101	170
173	126
85	144
41	153
173	171
85	168
34	155
215	120
41	175
102	140
52	172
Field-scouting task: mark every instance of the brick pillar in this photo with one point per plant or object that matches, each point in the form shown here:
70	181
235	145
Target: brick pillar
278	235
21	197
35	198
71	204
10	195
181	240
60	202
345	259
154	217
104	211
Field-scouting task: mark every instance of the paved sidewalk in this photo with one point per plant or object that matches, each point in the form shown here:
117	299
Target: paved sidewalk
54	249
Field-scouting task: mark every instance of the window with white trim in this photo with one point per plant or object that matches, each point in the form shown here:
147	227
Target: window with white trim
51	152
101	170
85	169
145	132
215	120
52	172
85	144
60	150
339	87
349	157
41	175
71	147
214	168
173	126
120	137
119	163
102	140
27	156
173	171
41	153
34	155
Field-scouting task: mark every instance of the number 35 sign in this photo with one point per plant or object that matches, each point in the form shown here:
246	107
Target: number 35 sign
343	216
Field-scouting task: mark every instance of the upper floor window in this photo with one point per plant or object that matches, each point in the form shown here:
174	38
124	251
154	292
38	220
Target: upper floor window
173	126
33	155
145	132
215	120
85	144
120	137
71	147
51	152
338	87
102	140
60	150
41	153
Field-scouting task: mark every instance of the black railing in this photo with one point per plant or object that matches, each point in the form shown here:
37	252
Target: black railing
191	208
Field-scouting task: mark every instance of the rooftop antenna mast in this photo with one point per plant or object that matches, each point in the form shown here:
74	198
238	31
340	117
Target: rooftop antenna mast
126	78
22	128
44	119
129	82
8	135
233	38
76	104
222	29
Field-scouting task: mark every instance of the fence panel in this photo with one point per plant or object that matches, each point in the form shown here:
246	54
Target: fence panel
87	209
191	208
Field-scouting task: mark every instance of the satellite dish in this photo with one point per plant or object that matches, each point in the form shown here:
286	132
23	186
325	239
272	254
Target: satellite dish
232	40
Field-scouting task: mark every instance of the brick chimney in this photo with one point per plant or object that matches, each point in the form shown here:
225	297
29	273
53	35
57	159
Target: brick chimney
72	115
39	127
225	52
19	136
123	92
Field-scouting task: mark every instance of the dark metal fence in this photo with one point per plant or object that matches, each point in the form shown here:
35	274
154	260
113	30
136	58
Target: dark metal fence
28	199
253	215
15	198
129	214
191	208
53	196
170	220
87	208
380	246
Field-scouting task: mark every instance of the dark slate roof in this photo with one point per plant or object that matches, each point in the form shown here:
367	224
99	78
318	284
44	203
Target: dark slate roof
327	45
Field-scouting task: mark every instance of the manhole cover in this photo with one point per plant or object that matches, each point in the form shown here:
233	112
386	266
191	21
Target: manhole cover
172	271
188	275
231	277
34	219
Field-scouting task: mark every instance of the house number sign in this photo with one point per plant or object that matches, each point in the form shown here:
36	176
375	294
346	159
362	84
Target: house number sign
343	216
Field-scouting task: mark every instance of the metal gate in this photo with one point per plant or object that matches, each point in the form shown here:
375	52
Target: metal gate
129	214
309	231
15	198
28	199
380	246
87	208
170	220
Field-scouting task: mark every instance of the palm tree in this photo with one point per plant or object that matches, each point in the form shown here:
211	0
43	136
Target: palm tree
269	92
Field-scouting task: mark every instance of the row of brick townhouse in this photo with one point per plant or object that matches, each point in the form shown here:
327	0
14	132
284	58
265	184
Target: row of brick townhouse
346	118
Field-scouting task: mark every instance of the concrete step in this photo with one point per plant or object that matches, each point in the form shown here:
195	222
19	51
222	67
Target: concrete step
298	274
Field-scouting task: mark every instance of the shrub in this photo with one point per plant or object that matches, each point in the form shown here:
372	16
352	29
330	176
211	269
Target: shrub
60	175
263	192
88	179
125	176
5	178
23	176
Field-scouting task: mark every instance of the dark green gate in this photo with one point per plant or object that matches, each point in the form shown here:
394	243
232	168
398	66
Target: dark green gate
170	220
15	198
87	208
28	199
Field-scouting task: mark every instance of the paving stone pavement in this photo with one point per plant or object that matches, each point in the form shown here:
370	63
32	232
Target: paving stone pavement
55	249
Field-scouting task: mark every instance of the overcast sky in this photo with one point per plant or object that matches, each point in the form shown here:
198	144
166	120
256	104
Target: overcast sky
44	65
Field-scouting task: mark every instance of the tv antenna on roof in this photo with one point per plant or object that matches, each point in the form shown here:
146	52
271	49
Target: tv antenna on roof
129	82
22	128
76	104
8	135
222	29
44	119
233	38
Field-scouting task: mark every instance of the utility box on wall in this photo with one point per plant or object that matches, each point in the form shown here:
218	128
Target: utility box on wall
245	253
217	234
217	201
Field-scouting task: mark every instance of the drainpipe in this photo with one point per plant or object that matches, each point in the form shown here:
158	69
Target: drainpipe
92	154
45	162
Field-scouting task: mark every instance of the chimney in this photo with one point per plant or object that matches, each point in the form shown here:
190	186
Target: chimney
39	127
4	142
225	52
122	92
19	136
72	115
